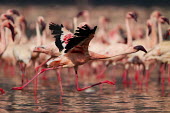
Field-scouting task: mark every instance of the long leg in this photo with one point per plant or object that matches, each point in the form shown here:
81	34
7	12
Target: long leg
169	74
81	89
43	70
37	68
22	67
59	79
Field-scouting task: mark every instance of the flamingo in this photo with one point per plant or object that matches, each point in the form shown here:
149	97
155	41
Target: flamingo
3	43
74	52
162	47
21	25
8	54
161	53
23	52
10	39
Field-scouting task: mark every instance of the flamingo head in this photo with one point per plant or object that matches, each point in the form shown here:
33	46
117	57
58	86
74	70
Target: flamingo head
13	12
167	34
39	49
23	22
156	14
8	24
82	13
149	26
132	15
7	17
104	20
140	48
41	21
163	20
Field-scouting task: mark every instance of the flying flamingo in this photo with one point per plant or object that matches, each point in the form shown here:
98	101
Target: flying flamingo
3	43
74	52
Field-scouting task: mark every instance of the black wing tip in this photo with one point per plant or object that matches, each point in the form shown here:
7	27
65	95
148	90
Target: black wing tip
94	29
53	26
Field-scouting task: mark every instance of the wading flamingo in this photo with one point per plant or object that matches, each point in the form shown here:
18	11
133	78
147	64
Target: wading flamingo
3	43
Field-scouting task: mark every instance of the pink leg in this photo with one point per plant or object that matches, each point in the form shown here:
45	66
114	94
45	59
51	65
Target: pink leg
69	73
101	74
169	74
43	70
2	91
124	77
44	77
37	68
163	75
59	79
81	89
163	83
137	77
22	68
147	75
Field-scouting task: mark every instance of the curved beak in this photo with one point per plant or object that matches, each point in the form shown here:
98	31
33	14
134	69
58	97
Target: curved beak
166	20
13	11
23	22
80	14
149	29
134	16
43	25
140	48
11	27
7	17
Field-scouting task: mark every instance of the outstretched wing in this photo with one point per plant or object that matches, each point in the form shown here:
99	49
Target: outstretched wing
81	39
61	35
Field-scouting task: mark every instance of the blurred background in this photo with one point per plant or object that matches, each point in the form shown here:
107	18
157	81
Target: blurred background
69	8
144	3
63	11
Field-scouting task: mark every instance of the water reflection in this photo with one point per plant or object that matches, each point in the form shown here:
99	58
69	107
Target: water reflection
47	98
107	100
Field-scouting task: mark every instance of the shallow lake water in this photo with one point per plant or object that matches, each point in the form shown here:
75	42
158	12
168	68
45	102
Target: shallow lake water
119	98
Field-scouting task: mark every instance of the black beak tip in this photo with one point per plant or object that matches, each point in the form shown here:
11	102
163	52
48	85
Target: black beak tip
140	48
149	31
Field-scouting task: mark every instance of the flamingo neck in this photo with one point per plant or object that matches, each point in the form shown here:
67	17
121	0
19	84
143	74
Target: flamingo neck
74	24
129	35
154	34
19	36
3	43
38	35
160	32
44	35
23	31
148	39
